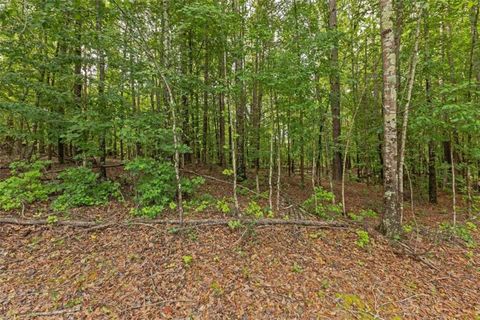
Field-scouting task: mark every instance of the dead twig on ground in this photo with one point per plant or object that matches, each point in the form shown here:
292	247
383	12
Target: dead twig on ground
92	225
418	256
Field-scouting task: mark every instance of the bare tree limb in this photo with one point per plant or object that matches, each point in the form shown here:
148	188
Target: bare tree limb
91	225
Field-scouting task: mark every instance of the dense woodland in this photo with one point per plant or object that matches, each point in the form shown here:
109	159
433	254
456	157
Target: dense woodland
294	85
329	93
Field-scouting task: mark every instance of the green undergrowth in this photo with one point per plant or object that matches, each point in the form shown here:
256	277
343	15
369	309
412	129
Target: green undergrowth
81	186
24	186
322	203
155	186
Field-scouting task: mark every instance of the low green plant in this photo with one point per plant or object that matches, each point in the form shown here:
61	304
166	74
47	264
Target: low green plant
321	203
192	234
217	288
202	206
296	268
190	186
317	235
355	304
242	191
187	260
355	217
407	228
24	185
461	231
227	172
469	254
254	209
81	186
196	205
155	185
52	219
234	224
223	206
363	238
369	213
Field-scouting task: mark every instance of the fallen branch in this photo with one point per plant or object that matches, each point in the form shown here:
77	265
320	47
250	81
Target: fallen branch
418	256
91	225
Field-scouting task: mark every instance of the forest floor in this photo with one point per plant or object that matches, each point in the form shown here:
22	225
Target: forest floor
214	272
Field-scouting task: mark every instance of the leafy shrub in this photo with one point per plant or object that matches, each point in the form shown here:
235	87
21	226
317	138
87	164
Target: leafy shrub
369	213
234	224
155	185
407	228
321	203
242	191
363	238
255	210
189	186
227	172
52	219
195	205
81	187
223	206
462	231
187	260
24	185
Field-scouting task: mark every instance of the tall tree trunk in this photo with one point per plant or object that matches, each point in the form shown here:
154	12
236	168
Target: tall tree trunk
240	128
398	30
432	156
60	141
391	217
206	75
335	93
256	119
406	112
221	109
101	88
186	71
241	103
432	173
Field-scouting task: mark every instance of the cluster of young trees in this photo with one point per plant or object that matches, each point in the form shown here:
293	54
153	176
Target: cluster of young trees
292	85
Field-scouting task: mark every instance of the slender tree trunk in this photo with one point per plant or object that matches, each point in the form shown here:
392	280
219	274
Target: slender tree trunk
206	79
101	88
335	94
398	31
60	141
240	117
256	119
454	191
186	100
432	156
279	154
406	112
271	164
391	218
233	137
221	110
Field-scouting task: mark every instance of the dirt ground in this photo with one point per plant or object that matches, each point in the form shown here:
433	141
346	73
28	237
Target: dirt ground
268	272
